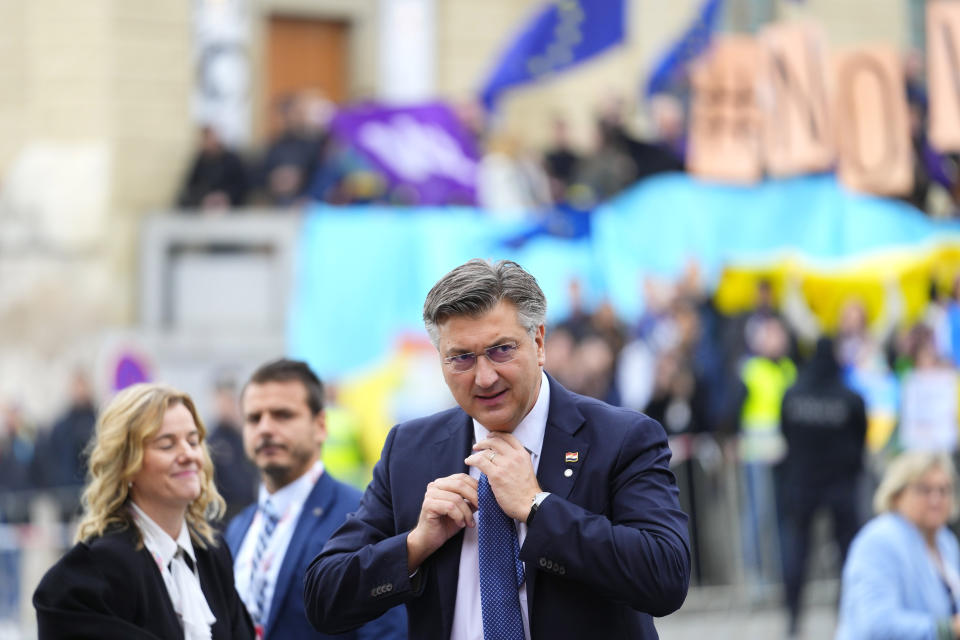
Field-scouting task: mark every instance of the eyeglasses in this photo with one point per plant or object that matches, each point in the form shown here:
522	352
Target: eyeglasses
498	354
926	490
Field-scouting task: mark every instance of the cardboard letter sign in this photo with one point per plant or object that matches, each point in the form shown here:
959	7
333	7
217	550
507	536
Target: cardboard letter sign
725	121
943	68
873	127
798	134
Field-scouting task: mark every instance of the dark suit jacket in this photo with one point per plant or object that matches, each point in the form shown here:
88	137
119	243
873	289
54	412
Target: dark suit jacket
325	509
106	589
606	551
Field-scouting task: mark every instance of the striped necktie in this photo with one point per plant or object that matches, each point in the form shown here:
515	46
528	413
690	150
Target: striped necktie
258	578
501	571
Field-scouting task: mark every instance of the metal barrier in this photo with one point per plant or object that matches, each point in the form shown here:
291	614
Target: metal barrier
712	492
27	550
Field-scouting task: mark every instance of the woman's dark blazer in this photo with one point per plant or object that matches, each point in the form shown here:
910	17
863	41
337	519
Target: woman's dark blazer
107	589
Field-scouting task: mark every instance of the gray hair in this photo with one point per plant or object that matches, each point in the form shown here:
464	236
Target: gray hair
906	468
476	287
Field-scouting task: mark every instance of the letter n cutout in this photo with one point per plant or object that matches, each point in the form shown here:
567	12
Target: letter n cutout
797	133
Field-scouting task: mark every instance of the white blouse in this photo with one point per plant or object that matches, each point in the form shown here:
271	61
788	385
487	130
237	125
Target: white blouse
182	582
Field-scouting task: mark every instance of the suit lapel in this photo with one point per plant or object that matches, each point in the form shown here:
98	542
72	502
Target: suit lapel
452	446
311	515
560	439
448	454
555	473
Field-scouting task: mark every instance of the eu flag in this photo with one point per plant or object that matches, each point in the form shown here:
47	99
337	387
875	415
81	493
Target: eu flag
564	33
691	44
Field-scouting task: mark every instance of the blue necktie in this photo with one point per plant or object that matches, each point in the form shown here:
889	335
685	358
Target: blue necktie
259	579
501	572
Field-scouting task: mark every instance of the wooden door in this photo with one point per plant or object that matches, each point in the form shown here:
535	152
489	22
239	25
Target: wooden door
304	54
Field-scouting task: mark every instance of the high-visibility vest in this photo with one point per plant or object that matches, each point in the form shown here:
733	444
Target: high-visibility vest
766	381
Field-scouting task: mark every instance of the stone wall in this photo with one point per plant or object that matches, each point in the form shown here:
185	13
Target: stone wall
94	131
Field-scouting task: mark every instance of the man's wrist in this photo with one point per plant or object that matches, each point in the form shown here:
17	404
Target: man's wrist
535	505
415	552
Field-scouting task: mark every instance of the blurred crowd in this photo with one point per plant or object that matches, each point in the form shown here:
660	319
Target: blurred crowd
305	162
684	352
49	458
808	417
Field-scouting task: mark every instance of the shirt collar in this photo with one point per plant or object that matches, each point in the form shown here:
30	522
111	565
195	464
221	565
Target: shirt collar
531	429
158	541
294	493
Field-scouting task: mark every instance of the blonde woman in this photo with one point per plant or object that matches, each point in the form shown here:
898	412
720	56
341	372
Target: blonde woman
147	563
901	576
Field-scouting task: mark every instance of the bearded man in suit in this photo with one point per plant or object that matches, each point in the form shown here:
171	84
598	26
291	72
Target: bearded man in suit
298	507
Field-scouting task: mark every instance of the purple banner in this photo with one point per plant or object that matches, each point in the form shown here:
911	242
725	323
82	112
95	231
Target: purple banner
423	150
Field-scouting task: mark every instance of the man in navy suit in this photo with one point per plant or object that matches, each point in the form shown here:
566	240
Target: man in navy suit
299	505
582	537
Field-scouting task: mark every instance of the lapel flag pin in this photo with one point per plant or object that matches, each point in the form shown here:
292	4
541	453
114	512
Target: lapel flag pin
572	456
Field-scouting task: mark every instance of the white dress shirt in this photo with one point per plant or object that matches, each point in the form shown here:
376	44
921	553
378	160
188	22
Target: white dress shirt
287	502
467	617
182	582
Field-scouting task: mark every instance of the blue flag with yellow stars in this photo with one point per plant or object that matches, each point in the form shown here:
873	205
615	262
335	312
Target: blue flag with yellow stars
563	34
691	44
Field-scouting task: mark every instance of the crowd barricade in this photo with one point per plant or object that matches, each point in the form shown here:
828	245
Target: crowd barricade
27	550
710	479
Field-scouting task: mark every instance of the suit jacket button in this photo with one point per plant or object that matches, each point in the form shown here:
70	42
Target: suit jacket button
389	587
562	570
543	562
373	591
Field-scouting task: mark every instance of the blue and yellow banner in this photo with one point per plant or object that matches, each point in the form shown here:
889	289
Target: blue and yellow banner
363	272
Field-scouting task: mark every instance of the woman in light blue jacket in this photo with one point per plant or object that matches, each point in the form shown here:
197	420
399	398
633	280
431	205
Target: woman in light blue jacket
901	580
